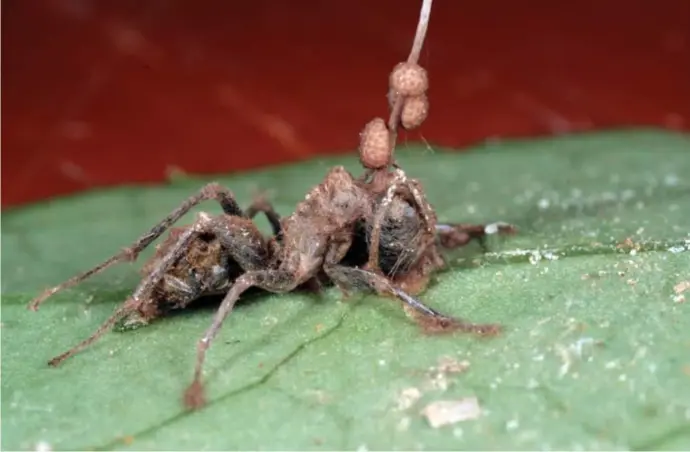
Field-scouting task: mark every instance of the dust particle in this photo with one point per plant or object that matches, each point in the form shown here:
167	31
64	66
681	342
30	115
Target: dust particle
43	446
686	369
408	397
449	365
404	424
681	287
447	412
679	290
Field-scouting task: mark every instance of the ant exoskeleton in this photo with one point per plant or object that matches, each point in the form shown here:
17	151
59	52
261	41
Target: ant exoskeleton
227	253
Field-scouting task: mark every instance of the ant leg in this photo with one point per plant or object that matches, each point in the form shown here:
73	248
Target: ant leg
140	295
210	191
261	204
429	319
129	306
277	281
422	206
456	235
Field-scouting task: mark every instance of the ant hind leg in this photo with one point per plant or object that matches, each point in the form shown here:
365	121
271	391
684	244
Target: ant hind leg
210	191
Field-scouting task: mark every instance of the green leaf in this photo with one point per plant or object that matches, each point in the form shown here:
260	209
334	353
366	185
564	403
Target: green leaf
596	352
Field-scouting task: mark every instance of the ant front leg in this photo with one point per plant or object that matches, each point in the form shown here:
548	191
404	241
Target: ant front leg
453	236
210	191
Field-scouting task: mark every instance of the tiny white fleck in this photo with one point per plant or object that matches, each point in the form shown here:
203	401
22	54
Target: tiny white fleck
408	397
611	365
633	252
544	203
512	424
43	446
627	194
622	377
535	257
671	180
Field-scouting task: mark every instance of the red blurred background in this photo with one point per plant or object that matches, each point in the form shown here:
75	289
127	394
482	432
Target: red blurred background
101	92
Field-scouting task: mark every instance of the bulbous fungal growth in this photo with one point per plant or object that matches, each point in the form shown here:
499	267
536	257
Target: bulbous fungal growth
414	112
409	79
374	145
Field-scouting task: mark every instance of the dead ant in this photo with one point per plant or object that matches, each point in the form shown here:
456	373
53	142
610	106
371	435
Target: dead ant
227	253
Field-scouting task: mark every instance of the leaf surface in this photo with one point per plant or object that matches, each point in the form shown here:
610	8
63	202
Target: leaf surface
596	352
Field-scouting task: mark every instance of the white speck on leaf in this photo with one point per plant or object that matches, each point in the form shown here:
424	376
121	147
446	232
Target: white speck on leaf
611	365
681	287
404	424
43	446
408	397
671	180
447	412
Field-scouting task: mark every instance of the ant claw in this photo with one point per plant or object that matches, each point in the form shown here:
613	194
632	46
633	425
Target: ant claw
194	396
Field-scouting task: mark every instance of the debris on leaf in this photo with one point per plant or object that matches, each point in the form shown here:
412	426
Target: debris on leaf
408	397
679	289
629	245
446	412
404	424
438	375
449	365
43	446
